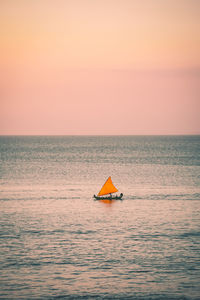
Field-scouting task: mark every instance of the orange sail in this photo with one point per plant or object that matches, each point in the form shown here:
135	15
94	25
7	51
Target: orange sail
108	188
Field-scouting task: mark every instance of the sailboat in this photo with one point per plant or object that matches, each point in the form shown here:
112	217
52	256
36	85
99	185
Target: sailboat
108	189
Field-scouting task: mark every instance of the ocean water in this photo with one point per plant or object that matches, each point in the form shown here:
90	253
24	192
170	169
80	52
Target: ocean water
58	243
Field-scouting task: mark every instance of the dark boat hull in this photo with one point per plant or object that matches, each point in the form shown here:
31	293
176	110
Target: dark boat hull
109	198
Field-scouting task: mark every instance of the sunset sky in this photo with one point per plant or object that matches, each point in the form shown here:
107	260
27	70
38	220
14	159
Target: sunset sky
99	67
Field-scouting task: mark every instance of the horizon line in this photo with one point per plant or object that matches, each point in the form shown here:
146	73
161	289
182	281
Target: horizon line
54	135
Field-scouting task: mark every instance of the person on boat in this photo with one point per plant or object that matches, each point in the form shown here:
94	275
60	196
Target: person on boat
121	195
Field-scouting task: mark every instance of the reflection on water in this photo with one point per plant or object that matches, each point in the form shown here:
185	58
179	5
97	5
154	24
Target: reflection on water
108	202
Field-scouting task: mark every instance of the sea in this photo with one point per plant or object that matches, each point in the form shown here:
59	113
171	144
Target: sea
58	242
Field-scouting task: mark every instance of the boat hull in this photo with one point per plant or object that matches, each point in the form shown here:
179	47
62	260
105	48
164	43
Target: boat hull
108	197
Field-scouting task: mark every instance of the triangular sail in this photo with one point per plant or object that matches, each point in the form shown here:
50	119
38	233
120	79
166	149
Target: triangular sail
107	188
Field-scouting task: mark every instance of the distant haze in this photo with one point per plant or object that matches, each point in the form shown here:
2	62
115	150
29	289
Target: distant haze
99	67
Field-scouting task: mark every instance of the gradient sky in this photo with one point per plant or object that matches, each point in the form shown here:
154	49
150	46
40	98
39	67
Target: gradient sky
100	67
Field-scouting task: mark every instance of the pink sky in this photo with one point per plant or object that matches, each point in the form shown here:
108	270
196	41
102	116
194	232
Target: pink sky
100	67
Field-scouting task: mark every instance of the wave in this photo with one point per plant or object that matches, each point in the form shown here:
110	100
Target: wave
38	198
106	296
161	196
188	196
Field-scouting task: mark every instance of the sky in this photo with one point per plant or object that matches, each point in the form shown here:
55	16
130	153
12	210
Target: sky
99	67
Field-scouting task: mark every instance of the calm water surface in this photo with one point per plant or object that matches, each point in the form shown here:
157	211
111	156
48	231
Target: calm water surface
57	242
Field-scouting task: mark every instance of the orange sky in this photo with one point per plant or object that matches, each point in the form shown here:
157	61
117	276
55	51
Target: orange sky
100	67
